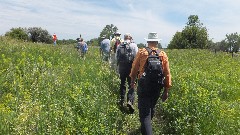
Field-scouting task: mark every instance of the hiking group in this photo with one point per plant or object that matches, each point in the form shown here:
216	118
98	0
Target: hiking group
148	67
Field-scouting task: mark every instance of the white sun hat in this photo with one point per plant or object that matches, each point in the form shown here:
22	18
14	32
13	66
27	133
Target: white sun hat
152	36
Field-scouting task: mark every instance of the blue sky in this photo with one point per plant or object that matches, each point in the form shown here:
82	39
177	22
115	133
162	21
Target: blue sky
69	18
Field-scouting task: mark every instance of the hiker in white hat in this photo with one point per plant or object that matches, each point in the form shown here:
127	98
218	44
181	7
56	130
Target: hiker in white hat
151	67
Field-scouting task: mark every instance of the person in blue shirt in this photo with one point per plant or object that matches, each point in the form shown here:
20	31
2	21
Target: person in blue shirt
105	48
83	48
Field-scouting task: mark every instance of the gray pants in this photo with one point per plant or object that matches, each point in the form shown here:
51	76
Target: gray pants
105	56
113	62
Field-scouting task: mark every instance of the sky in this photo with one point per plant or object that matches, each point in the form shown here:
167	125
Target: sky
70	18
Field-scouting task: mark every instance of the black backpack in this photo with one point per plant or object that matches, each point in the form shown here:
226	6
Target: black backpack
153	68
125	54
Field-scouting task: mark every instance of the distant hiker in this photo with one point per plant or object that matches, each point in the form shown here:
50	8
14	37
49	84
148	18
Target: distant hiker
78	46
116	41
105	48
154	75
125	54
83	47
54	37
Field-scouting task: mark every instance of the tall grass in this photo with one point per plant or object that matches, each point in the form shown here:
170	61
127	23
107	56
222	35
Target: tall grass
51	90
48	89
205	95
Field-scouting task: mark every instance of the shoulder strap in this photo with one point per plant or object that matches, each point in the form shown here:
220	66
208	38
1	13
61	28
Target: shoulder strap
149	50
157	51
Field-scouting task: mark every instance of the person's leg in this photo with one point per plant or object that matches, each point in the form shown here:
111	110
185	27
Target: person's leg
145	115
154	98
130	96
130	90
122	87
144	103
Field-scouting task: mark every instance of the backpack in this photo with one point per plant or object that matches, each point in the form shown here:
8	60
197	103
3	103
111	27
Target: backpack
84	47
153	68
125	54
117	43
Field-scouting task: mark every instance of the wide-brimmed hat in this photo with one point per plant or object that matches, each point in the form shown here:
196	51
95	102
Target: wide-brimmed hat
117	33
127	35
152	36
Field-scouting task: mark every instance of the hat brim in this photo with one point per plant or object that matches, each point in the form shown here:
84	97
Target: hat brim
152	39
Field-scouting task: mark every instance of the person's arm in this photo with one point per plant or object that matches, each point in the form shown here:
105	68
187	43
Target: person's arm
167	74
135	49
134	70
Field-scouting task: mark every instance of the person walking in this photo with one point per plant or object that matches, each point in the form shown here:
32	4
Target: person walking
105	48
125	54
78	46
115	42
83	48
54	37
154	75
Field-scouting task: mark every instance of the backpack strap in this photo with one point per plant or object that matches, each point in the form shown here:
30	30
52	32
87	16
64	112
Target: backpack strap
150	51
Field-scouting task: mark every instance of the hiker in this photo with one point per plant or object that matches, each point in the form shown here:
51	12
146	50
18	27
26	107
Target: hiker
116	41
150	82
125	54
83	48
105	48
78	46
54	37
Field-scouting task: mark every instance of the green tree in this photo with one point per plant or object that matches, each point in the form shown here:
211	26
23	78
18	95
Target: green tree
194	35
18	33
94	42
177	41
233	41
109	31
37	34
159	45
67	41
223	46
141	45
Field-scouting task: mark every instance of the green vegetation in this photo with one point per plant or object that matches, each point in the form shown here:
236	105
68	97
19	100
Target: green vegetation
205	95
49	89
194	36
34	34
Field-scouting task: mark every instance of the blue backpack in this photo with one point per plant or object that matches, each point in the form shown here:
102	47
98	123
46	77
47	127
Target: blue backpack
84	47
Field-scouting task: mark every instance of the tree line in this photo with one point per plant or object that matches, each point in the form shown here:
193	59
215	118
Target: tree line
193	36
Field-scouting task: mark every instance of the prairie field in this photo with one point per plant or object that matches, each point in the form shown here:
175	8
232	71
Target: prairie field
48	89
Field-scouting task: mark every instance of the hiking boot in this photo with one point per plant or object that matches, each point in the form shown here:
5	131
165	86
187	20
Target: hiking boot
121	103
130	107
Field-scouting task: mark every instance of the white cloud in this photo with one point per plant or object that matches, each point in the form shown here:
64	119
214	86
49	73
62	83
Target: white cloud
69	18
